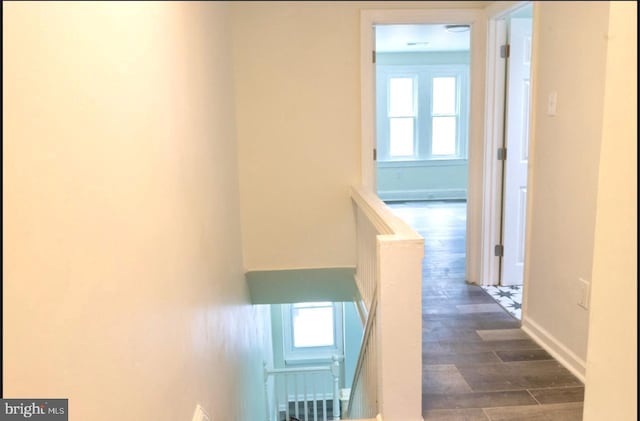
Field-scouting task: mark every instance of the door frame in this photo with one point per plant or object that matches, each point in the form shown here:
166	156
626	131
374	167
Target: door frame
494	135
476	18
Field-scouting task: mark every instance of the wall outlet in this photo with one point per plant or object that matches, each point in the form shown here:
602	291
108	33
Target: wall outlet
200	415
583	293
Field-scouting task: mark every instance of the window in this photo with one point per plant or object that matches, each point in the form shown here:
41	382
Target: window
422	112
401	112
444	116
312	331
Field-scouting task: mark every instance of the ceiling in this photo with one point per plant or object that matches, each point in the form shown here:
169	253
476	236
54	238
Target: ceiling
394	38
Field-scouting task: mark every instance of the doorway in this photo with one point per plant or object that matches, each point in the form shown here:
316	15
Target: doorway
473	21
516	144
484	222
513	37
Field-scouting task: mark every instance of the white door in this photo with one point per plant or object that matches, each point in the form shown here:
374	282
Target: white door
517	144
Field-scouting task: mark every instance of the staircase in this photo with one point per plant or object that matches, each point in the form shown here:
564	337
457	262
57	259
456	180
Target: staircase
388	378
310	410
303	394
388	374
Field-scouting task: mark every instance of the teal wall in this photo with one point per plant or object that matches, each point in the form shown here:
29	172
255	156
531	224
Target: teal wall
302	285
277	287
353	331
422	180
436	57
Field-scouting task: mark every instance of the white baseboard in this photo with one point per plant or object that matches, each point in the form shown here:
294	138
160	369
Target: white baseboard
424	194
566	357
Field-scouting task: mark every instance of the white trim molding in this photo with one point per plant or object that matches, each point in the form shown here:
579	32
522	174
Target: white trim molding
476	18
576	365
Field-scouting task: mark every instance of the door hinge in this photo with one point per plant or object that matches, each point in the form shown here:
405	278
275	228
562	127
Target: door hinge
375	154
499	250
373	56
505	50
502	154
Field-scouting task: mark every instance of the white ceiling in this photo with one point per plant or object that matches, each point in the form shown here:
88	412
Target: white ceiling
394	38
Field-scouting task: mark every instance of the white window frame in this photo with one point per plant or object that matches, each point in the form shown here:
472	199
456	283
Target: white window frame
317	354
423	81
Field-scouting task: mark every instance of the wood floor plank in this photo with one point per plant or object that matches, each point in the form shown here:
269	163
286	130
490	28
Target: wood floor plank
555	412
502	334
443	379
558	395
479	308
475	414
441	346
460	358
478	365
517	375
477	400
524	355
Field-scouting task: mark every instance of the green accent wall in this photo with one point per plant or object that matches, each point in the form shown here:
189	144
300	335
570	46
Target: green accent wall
302	285
353	331
435	57
422	180
278	287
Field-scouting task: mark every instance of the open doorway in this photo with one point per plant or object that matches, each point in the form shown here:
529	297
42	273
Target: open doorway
402	129
422	135
474	22
513	39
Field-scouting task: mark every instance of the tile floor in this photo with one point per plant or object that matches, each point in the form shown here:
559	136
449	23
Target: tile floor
509	298
478	365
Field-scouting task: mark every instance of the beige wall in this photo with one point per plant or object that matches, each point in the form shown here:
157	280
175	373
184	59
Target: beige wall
123	277
297	74
612	364
571	41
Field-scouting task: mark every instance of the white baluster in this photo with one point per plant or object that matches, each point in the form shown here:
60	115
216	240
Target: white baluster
266	389
335	372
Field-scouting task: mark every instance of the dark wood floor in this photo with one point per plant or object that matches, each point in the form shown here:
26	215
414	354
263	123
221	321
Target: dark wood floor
478	365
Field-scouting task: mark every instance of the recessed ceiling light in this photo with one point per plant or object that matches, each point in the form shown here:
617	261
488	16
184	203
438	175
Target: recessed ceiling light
457	28
418	43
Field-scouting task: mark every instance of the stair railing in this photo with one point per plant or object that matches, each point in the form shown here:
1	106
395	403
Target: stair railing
388	376
296	392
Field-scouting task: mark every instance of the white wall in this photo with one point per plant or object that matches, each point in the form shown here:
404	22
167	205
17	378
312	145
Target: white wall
612	364
570	46
123	278
297	75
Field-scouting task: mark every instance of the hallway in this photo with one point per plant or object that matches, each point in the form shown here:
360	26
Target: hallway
477	363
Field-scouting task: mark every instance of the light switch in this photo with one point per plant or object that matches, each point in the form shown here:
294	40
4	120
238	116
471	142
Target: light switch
583	293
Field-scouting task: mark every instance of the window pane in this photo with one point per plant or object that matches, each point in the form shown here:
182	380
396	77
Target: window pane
401	136
313	326
443	141
444	95
401	96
